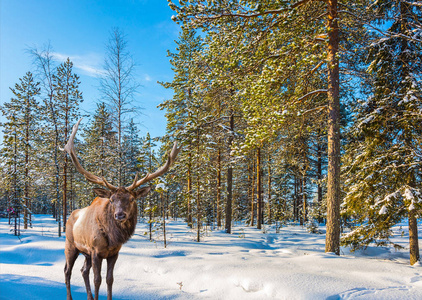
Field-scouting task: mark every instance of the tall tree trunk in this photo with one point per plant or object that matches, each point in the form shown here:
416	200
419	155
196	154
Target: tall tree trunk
198	197
258	190
189	211
65	172
413	237
150	217
304	200
319	177
15	187
332	239
229	180
295	199
269	190
300	201
26	192
405	10
164	219
56	205
9	205
219	189
252	193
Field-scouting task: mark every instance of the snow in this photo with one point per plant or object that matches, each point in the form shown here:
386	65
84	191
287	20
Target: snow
161	186
367	120
409	195
411	206
247	264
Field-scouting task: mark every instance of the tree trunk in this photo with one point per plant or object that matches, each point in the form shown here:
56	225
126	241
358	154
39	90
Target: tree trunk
219	189
258	189
150	218
295	200
229	181
164	219
65	173
304	200
332	240
26	192
413	238
252	193
15	187
189	217
300	203
198	197
269	191
319	176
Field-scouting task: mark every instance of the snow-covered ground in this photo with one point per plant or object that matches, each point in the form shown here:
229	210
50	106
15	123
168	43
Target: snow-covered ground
247	264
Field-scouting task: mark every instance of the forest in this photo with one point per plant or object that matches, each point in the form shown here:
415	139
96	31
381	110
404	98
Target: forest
304	111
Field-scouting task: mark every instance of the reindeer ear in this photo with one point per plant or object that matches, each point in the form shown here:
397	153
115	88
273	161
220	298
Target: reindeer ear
103	193
142	192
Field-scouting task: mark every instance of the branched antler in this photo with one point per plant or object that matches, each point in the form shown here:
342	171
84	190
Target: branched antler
70	149
160	171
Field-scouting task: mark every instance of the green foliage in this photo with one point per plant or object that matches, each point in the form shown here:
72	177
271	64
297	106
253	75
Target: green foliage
17	153
382	165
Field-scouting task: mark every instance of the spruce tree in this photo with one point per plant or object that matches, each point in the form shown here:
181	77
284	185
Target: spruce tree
20	132
100	140
67	97
383	165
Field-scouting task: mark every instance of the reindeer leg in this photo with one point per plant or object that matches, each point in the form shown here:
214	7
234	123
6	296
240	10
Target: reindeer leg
96	267
71	254
85	274
111	261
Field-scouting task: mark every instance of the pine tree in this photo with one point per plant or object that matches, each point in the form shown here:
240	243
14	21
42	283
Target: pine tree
100	140
181	107
67	97
131	151
382	169
18	152
48	142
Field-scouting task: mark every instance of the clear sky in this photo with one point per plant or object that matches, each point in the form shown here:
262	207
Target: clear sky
79	29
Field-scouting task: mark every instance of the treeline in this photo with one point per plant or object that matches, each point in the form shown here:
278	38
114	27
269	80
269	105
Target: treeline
300	110
306	111
36	175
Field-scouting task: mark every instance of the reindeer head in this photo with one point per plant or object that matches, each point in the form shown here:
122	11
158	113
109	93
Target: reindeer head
122	199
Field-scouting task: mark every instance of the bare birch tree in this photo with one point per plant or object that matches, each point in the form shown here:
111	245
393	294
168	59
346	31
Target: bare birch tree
118	87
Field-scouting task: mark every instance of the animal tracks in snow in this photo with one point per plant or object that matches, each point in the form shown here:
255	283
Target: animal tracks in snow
416	279
382	293
371	293
254	286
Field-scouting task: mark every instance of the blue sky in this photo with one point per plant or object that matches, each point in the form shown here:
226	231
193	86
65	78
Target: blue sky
79	29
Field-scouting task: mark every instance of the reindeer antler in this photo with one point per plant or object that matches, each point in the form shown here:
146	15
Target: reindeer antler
160	171
70	149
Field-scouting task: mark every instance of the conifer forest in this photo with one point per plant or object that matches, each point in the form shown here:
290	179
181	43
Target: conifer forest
303	112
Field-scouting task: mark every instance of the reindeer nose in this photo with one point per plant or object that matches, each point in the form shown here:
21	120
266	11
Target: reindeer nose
120	216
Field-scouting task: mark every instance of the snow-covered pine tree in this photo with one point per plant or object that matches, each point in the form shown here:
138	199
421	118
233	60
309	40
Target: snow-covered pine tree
383	161
99	142
131	152
19	134
48	139
180	108
67	98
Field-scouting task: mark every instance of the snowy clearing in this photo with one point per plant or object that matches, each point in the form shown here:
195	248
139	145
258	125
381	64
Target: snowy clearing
247	264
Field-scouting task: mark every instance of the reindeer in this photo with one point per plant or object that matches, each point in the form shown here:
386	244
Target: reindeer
99	230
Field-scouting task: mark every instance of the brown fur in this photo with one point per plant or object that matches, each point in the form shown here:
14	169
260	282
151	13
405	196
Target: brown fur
116	233
98	233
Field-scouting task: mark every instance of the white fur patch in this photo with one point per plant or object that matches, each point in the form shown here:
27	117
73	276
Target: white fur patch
79	221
